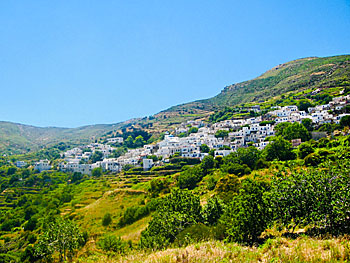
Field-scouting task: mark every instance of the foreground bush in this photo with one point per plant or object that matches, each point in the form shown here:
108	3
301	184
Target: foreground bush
248	215
320	198
114	244
176	212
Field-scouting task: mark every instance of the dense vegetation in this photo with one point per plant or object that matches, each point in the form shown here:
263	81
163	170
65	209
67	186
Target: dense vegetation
251	197
247	193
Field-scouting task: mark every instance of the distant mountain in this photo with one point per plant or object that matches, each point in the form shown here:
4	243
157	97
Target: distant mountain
295	76
19	138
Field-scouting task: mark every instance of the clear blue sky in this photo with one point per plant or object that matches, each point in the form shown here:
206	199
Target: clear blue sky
73	63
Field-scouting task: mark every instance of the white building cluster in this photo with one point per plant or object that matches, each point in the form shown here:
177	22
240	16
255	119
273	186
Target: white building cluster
241	133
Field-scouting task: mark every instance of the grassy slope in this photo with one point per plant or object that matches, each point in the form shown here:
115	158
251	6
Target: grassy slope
296	75
302	249
94	198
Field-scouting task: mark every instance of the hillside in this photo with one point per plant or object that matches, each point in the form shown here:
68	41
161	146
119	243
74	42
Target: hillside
293	76
289	78
19	138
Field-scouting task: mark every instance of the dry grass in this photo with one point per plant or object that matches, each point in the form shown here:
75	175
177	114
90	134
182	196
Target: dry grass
113	202
274	250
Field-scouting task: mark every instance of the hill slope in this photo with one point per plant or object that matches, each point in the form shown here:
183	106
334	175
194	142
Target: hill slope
296	75
293	76
19	138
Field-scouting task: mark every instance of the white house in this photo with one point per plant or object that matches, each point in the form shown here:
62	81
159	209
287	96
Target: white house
222	153
42	165
147	164
21	164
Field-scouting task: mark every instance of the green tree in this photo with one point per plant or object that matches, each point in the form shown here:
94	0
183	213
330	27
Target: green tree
279	149
280	127
221	134
96	156
305	149
113	243
189	178
204	148
345	121
11	170
62	236
107	219
129	142
248	156
193	130
212	211
304	104
317	197
235	168
177	211
139	141
227	187
296	131
307	123
207	164
248	214
96	172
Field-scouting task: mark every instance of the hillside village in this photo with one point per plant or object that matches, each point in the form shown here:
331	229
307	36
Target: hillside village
223	137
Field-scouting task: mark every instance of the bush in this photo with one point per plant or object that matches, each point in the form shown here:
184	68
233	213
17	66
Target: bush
227	187
189	178
211	183
305	149
157	186
221	134
236	169
312	159
345	121
212	211
194	234
11	170
176	212
132	214
279	149
107	219
317	197
31	224
96	172
185	161
113	243
248	214
320	156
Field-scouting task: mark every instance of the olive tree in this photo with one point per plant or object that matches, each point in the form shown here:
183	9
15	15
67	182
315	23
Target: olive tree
61	236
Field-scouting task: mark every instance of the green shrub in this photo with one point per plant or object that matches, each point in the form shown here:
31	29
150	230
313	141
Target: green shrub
235	168
279	149
212	211
113	243
211	183
107	219
305	149
248	214
189	178
227	187
317	197
159	185
176	212
194	234
132	214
